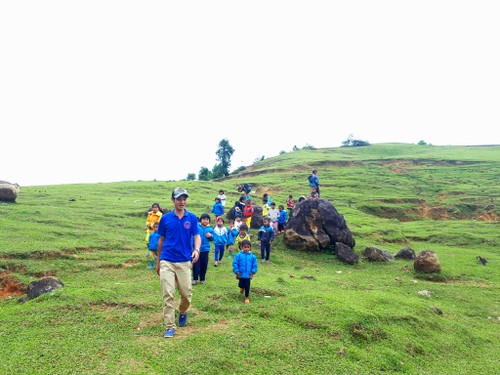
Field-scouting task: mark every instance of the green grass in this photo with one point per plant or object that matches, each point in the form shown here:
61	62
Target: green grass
309	313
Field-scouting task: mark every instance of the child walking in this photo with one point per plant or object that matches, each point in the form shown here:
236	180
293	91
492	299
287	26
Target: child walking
245	266
154	237
220	241
266	237
154	216
273	217
248	213
206	234
217	209
242	235
232	232
282	219
290	203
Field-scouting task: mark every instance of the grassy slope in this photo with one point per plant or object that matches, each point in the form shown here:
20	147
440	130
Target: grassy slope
309	313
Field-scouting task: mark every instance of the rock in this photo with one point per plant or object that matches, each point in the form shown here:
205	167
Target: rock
427	262
8	191
44	285
314	225
345	253
406	253
373	254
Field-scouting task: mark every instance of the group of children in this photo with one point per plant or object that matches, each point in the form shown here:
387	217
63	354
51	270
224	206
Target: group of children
235	236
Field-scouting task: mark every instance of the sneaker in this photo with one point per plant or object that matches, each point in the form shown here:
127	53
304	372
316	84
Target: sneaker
216	264
242	290
183	319
203	282
170	333
247	301
193	282
263	261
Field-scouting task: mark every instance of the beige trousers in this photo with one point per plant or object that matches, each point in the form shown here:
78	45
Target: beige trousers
169	272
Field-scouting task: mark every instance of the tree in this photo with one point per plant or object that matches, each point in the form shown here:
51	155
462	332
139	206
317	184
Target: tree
224	153
205	174
191	177
217	171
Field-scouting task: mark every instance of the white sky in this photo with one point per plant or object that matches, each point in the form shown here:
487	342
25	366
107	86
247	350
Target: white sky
97	91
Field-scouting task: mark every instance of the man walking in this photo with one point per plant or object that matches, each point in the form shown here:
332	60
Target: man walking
177	228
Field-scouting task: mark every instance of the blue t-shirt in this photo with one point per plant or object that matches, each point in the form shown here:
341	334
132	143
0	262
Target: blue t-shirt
178	233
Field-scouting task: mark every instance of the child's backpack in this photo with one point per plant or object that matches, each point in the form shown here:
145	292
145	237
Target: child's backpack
311	180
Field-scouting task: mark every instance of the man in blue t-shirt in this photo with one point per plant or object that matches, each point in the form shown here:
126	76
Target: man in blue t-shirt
177	228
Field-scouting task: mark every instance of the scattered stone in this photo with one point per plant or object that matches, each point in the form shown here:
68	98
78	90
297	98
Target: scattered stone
345	253
427	262
44	285
424	293
406	253
372	254
310	277
437	310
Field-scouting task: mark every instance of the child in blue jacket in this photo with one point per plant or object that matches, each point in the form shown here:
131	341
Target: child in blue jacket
282	218
265	237
217	209
220	241
153	246
232	232
207	236
245	266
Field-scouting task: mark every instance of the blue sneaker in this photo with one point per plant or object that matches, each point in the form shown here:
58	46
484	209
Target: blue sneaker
170	333
183	319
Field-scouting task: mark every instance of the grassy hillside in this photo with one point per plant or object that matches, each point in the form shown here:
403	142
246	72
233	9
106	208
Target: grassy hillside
309	313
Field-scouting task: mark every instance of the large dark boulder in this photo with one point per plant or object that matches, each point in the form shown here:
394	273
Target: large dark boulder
8	191
315	225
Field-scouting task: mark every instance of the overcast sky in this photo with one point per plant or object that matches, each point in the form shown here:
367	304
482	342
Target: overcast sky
98	91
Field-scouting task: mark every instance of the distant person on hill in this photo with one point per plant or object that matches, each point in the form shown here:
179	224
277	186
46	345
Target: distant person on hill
313	194
265	207
239	206
222	197
245	266
282	219
207	236
220	241
290	203
248	213
154	237
267	198
273	217
154	215
247	188
177	229
217	209
314	180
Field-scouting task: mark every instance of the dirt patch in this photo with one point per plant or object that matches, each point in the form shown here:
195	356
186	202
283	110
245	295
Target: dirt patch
9	286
